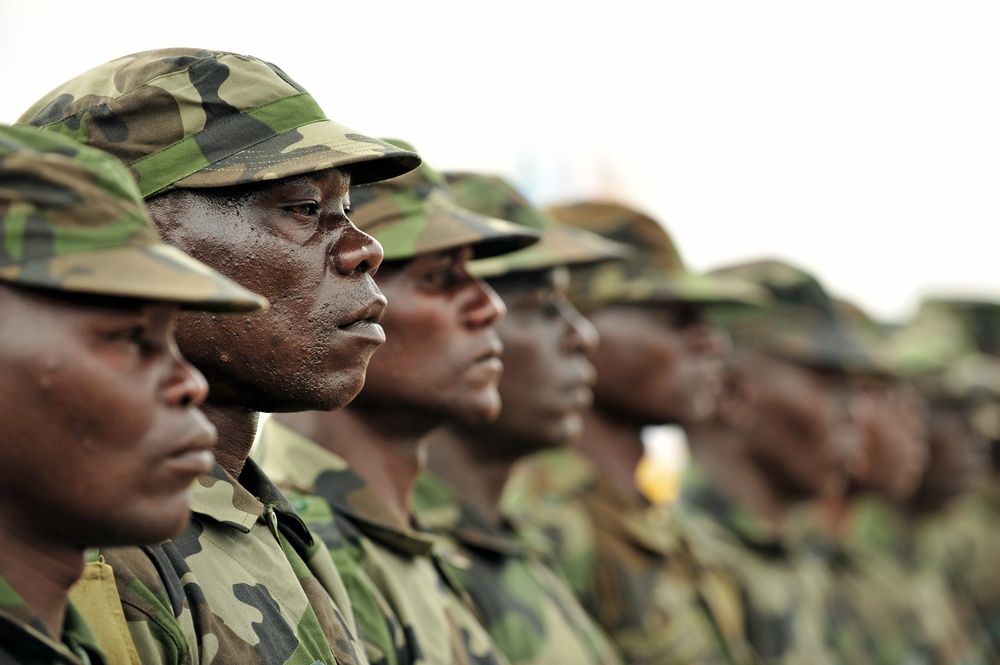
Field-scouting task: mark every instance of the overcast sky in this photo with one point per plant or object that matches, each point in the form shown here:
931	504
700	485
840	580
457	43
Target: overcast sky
858	138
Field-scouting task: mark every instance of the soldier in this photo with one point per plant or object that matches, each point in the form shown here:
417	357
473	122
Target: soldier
657	362
546	384
88	298
356	469
242	169
885	606
960	495
787	424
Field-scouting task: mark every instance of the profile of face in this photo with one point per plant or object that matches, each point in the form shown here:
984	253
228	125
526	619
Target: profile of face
548	377
896	450
102	436
291	241
959	454
658	362
800	426
441	358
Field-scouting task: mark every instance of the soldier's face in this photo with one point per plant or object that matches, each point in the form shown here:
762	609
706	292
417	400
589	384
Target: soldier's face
548	377
800	426
292	242
896	449
657	363
441	359
101	437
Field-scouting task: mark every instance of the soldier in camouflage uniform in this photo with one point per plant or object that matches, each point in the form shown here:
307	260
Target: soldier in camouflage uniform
529	610
656	363
786	426
88	297
354	470
961	494
241	168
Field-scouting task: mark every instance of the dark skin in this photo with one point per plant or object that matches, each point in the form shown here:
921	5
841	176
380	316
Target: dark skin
73	478
441	361
657	363
291	241
546	386
783	434
959	455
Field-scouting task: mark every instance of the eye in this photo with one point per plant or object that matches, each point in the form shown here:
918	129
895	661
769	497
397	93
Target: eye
441	278
304	208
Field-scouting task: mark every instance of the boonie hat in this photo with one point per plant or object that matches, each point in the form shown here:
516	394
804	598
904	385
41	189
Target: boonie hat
416	214
655	273
72	219
560	245
182	117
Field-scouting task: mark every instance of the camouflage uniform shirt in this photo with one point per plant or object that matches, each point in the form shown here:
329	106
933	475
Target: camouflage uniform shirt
784	594
25	639
244	583
529	610
432	620
626	564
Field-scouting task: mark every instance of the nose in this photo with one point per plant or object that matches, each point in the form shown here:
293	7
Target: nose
706	339
581	335
185	385
484	307
356	252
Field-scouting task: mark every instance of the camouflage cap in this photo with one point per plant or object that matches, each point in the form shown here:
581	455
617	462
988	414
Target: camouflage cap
416	214
654	273
979	319
560	244
71	219
184	117
799	322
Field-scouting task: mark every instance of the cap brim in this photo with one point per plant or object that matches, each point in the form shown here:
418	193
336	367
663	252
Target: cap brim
156	272
447	227
560	245
313	147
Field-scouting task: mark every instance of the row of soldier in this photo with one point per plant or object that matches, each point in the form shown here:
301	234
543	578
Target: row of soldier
451	478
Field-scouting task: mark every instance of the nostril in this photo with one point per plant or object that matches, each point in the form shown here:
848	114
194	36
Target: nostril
186	400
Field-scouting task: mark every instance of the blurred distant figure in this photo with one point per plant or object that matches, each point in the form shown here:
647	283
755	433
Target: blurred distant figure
785	428
960	494
887	607
658	362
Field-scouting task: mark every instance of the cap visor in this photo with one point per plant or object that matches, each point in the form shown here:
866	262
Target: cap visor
313	147
156	272
560	245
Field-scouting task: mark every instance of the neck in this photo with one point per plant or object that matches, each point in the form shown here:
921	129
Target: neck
478	480
720	452
384	447
40	571
237	428
615	446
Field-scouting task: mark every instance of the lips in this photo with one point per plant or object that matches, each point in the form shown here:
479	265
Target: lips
194	456
365	320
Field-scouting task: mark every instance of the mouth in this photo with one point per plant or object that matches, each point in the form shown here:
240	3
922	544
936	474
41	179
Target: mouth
195	457
365	321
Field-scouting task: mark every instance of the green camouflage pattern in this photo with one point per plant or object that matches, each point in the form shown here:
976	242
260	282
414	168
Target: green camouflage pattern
416	214
528	608
799	322
244	583
71	219
885	606
560	244
654	272
979	319
962	542
24	638
628	564
181	117
783	594
432	620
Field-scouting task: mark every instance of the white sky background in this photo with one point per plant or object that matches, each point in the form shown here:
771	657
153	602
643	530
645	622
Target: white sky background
859	138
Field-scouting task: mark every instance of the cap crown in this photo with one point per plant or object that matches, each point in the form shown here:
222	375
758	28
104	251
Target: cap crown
198	118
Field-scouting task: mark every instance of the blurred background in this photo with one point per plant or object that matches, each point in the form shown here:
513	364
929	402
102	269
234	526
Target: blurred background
858	138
